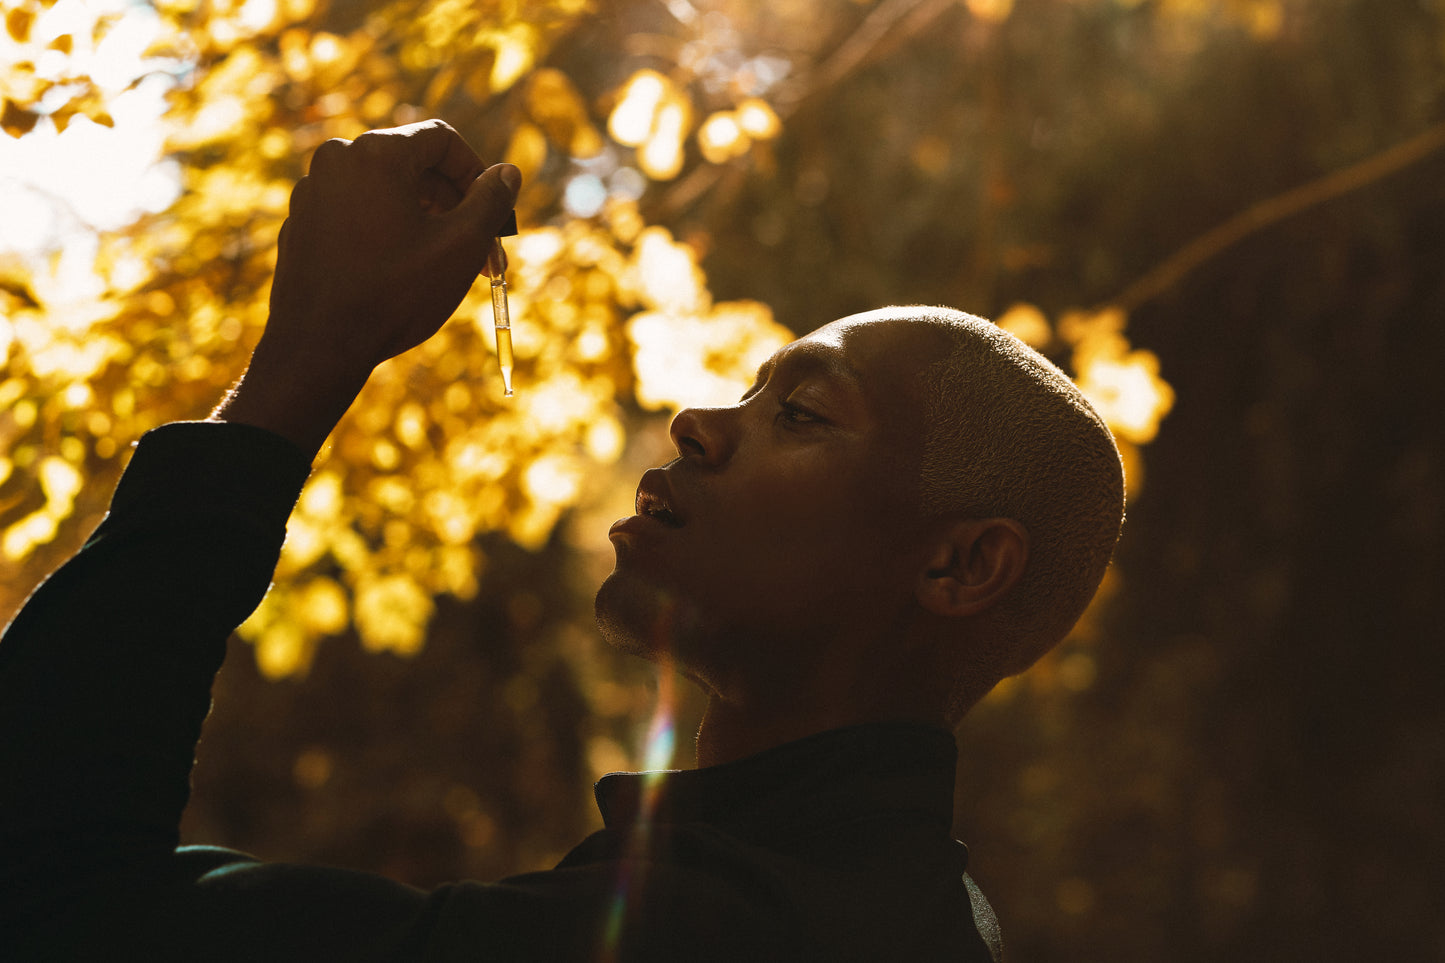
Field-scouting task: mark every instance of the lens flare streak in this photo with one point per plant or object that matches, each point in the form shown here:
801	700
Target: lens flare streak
631	879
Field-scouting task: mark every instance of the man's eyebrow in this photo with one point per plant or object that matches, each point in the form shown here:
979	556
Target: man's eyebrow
809	358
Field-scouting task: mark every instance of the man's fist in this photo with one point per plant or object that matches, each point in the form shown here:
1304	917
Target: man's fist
386	234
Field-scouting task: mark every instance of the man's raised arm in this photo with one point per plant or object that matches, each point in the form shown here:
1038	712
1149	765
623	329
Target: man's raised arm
105	674
386	234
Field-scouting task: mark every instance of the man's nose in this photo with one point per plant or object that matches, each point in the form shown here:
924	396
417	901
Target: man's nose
702	434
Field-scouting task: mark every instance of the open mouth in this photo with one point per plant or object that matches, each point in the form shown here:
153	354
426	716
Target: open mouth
655	506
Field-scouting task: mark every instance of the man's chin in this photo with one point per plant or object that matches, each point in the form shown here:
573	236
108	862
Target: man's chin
639	619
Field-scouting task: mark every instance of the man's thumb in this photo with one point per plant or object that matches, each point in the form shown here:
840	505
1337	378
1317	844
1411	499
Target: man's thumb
489	198
510	176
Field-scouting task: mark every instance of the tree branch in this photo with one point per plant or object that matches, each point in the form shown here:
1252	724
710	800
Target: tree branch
851	54
855	51
1271	211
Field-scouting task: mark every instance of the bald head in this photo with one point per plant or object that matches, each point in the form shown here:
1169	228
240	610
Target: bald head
1007	434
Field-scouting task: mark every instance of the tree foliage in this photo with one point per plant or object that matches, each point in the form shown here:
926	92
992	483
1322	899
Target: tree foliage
613	313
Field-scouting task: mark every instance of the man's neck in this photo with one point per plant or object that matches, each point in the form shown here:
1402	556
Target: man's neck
729	732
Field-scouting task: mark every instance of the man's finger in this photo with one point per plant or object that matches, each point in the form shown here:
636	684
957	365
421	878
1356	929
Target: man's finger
328	153
435	145
468	229
438	194
282	236
488	200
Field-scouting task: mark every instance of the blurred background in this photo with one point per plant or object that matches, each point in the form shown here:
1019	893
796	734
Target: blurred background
1226	218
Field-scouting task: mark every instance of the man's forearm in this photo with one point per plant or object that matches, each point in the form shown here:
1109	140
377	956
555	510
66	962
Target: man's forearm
105	674
301	404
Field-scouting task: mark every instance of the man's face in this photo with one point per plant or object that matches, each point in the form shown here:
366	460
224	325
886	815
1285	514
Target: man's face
787	521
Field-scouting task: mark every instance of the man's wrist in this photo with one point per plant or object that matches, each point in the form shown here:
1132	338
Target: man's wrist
299	398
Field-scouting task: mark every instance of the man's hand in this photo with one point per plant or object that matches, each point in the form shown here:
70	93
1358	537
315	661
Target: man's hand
385	237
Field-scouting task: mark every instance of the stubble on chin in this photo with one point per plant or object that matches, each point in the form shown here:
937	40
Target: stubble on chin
642	620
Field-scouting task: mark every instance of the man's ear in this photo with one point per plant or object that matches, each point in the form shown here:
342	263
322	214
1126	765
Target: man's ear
973	564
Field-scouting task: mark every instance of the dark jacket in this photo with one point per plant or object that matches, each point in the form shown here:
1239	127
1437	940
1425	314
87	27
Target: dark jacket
835	847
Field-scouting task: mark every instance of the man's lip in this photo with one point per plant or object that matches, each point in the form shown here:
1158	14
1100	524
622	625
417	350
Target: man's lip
637	525
655	488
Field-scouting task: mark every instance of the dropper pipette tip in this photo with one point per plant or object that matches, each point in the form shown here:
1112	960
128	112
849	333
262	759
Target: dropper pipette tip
501	318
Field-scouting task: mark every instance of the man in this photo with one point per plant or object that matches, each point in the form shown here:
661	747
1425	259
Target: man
906	506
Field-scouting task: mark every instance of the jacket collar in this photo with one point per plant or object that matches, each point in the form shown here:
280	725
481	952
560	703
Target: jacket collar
843	775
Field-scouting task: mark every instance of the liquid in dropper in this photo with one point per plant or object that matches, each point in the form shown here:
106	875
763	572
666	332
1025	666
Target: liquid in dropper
501	317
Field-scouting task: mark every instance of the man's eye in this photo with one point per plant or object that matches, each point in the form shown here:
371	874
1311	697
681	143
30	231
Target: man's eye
792	414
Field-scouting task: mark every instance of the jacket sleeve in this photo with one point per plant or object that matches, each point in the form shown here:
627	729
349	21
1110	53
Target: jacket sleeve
105	674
